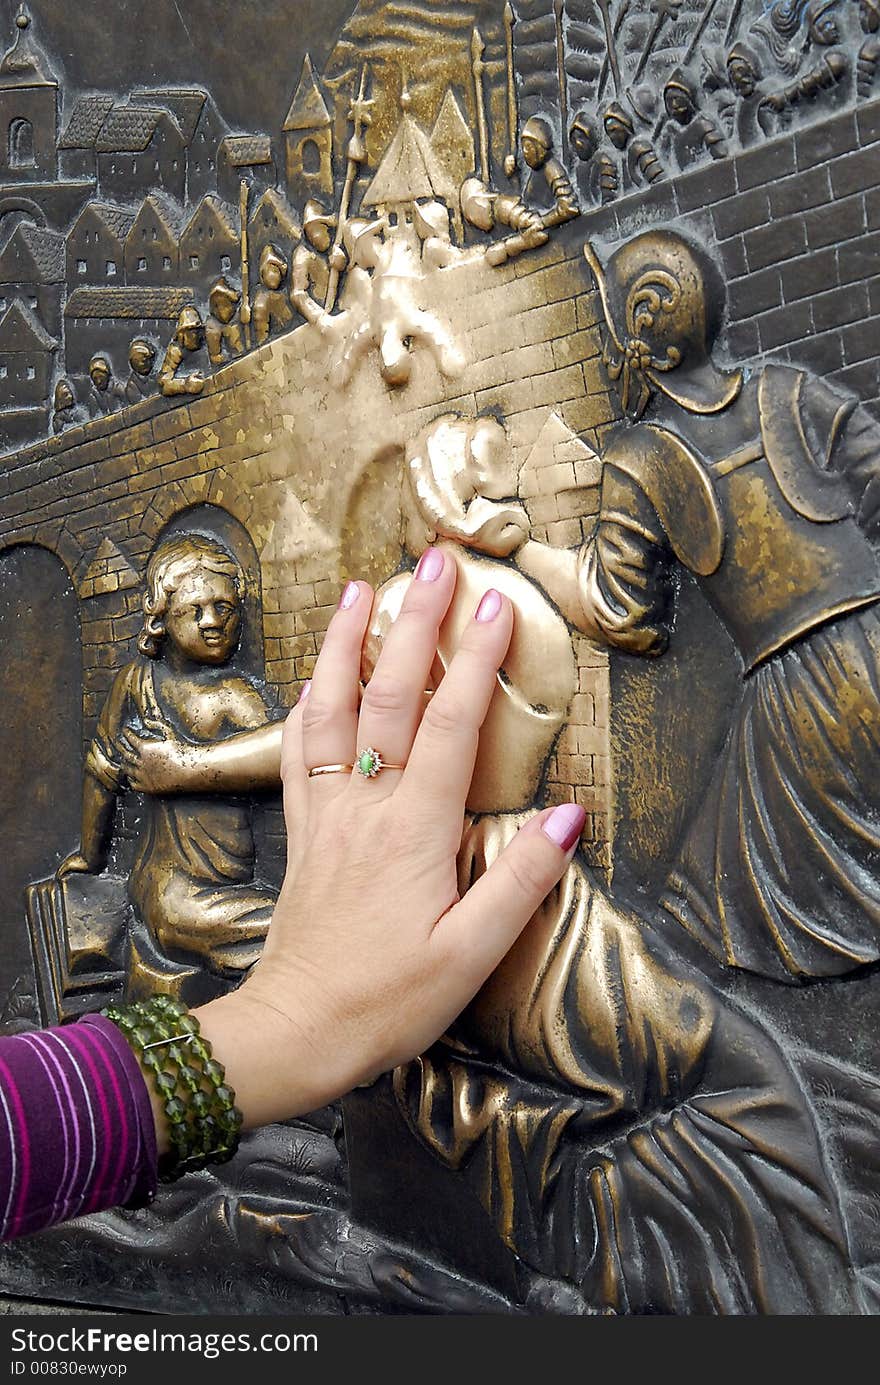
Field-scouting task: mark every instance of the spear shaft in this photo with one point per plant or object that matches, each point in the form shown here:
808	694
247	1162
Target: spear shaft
245	309
609	44
478	48
512	116
663	9
618	25
359	118
733	21
559	11
699	31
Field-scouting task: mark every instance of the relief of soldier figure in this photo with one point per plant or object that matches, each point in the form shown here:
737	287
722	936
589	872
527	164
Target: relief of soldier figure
764	484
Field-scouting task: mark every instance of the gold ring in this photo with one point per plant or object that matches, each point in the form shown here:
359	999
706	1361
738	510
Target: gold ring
330	769
369	762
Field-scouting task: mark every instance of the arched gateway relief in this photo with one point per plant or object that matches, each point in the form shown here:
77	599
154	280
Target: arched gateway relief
587	295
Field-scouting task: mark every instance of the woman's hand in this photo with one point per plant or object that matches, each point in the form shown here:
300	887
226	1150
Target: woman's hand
160	762
152	764
371	953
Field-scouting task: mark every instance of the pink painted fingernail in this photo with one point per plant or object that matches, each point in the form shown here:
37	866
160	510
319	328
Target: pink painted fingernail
564	825
489	606
430	565
305	690
349	596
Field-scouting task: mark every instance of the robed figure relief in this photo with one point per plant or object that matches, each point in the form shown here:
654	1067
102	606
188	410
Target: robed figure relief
192	883
764	484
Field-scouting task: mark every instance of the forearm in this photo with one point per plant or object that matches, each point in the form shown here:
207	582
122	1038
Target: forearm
306	305
250	760
247	1032
78	1133
556	571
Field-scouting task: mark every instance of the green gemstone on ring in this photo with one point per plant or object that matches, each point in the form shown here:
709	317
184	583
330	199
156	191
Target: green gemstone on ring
369	762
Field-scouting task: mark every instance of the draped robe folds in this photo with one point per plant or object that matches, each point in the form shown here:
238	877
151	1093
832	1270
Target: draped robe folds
625	1128
192	882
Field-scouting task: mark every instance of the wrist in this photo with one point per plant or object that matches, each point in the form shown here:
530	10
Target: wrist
277	1060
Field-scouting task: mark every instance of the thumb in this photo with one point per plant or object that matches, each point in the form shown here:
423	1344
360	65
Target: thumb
486	923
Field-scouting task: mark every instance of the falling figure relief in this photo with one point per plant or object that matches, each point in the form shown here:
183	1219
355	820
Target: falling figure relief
192	884
383	287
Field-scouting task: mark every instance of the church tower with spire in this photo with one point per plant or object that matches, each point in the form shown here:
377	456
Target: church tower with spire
28	110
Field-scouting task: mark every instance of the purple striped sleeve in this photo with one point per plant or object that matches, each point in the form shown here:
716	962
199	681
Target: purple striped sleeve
76	1127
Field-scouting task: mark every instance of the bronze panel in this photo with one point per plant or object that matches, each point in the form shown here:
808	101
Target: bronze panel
588	292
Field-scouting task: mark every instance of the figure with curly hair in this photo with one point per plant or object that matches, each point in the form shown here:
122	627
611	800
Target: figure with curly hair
192	884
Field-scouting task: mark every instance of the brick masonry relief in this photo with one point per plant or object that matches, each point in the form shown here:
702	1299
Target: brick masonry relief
313	472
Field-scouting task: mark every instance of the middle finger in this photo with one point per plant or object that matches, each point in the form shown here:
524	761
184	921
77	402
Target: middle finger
394	699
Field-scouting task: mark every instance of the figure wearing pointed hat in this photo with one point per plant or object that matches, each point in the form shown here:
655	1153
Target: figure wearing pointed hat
640	165
597	171
222	327
745	79
313	259
271	311
691	134
828	67
187	342
764	486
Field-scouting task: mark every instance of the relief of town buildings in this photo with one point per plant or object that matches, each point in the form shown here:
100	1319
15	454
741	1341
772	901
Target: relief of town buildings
117	212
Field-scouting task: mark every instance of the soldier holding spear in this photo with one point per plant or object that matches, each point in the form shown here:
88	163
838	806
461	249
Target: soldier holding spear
359	115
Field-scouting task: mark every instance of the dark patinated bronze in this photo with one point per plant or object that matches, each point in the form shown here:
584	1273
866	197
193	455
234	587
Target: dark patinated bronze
588	294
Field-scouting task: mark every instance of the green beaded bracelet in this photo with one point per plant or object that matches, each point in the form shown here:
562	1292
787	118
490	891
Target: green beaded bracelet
203	1121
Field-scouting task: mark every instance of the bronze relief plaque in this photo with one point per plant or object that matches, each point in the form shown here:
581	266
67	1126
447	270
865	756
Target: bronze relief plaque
588	292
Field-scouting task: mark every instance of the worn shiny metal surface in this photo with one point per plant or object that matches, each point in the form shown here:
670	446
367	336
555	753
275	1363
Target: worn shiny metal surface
588	294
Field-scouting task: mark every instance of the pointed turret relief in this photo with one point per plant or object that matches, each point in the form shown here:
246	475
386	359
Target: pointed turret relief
109	571
308	138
